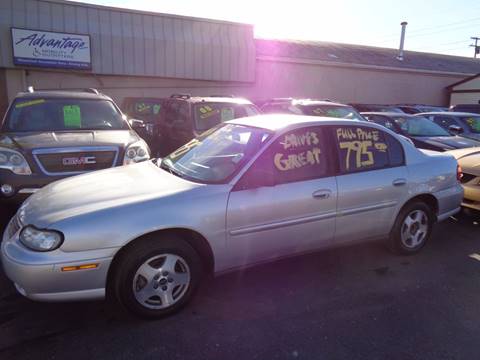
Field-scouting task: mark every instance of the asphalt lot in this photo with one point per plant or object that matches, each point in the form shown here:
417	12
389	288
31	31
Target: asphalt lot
359	302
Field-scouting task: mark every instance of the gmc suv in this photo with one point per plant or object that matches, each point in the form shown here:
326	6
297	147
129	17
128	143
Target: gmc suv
49	135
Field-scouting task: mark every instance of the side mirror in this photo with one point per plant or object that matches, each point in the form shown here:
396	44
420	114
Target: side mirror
455	129
136	124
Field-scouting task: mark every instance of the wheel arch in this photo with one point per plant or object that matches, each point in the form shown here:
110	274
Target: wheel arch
192	237
430	200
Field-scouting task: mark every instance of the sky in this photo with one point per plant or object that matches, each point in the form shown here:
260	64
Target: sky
439	26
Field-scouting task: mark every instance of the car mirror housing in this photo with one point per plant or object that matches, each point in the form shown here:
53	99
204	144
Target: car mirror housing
137	124
455	129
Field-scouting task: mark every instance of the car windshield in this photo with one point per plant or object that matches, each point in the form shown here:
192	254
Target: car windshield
419	126
344	112
473	123
56	114
210	114
217	154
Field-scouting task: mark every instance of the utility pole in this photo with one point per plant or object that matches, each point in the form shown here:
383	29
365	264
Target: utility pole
476	47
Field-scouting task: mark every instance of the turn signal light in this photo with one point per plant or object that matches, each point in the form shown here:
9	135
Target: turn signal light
459	173
80	267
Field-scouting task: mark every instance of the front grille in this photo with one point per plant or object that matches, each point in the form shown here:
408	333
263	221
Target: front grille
14	226
61	162
467	178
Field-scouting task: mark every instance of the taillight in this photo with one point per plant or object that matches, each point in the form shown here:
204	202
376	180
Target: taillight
459	173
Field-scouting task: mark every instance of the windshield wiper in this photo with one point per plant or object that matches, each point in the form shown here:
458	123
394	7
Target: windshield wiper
170	169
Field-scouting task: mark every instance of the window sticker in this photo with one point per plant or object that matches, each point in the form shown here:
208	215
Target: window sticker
156	109
358	145
142	108
29	103
474	123
299	151
207	111
72	116
227	114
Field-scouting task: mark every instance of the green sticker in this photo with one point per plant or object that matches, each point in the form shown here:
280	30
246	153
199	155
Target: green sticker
156	109
227	114
71	116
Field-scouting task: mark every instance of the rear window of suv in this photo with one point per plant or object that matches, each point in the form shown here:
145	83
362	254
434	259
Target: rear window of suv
63	115
210	114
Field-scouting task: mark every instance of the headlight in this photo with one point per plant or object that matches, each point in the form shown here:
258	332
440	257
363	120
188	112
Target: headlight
40	240
136	152
14	161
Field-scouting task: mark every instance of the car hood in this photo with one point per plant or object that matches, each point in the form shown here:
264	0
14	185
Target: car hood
471	135
446	142
37	140
469	159
99	190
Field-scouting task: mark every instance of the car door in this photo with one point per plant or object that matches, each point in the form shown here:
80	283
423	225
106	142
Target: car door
372	182
286	202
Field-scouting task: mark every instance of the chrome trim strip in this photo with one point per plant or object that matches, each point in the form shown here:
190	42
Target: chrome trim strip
280	224
28	190
366	208
72	150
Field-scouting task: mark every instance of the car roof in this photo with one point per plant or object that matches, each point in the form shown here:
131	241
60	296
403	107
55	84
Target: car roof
62	94
277	122
217	99
386	113
449	113
305	102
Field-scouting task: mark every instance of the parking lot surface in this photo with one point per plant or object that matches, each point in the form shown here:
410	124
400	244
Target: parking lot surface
358	302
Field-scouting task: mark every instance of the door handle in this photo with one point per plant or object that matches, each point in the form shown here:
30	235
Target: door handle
321	194
399	182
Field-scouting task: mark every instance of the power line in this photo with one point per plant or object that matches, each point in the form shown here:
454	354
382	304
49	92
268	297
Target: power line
445	27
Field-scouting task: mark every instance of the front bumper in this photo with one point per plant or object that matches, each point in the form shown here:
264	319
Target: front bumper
39	275
471	198
23	185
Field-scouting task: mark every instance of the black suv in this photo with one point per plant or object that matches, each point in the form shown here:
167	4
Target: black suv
149	111
310	107
48	135
184	117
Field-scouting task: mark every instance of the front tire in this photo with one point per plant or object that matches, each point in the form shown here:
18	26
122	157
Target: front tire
412	228
157	276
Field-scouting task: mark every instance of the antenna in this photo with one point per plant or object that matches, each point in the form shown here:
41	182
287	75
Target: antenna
402	41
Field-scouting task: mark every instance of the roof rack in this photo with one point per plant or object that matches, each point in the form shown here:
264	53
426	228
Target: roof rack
30	89
180	96
224	96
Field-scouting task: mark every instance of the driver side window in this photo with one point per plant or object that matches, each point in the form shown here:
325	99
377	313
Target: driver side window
297	155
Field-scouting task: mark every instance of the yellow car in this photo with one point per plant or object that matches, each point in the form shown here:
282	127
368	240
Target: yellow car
469	161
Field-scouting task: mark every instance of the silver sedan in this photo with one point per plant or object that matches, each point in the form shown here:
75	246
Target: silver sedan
249	191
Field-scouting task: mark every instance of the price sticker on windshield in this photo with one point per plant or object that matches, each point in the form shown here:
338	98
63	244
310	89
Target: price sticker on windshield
227	114
71	116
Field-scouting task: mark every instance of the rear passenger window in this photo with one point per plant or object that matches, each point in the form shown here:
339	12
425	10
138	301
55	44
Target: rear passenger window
395	151
299	155
361	148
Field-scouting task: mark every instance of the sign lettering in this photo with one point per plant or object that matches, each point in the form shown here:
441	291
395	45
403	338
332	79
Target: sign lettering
50	49
360	145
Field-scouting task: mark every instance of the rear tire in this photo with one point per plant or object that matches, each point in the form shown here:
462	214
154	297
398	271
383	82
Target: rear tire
412	228
157	276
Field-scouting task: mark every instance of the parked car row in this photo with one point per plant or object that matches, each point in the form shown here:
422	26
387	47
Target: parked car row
236	189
